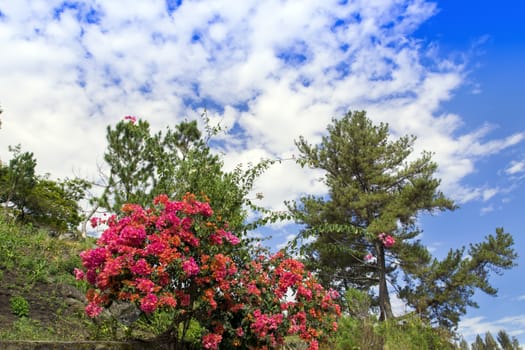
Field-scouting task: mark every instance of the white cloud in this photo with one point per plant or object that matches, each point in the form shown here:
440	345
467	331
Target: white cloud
486	210
488	193
271	71
515	167
469	327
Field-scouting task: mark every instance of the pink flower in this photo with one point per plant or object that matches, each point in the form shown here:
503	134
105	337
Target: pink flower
145	285
155	248
388	241
211	341
132	236
93	310
305	292
369	258
79	274
205	209
232	238
252	289
333	294
91	276
94	222
131	119
314	345
141	267
148	304
239	331
93	258
190	267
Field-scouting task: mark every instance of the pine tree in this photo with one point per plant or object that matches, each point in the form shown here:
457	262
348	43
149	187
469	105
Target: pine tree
506	343
443	289
174	162
478	344
463	345
129	155
375	195
490	342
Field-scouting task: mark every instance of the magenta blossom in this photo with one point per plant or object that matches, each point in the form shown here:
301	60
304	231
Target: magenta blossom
148	304
388	241
190	267
93	309
131	119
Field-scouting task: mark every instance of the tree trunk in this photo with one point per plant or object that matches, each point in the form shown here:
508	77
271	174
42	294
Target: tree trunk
384	299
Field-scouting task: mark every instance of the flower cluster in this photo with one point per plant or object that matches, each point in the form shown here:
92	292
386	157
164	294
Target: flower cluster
307	309
388	241
131	119
179	256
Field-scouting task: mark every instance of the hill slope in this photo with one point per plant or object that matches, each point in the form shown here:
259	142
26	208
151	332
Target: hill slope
39	298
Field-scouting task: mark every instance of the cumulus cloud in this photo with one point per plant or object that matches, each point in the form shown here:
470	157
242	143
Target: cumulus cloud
268	71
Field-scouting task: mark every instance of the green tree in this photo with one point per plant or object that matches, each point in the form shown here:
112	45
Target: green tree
143	165
506	342
54	204
130	157
490	342
478	343
373	189
17	180
39	199
443	289
463	345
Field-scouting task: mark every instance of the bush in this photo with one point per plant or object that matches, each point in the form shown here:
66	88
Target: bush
177	263
19	306
361	331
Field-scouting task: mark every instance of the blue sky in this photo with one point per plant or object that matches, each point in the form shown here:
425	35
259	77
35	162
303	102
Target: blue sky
449	72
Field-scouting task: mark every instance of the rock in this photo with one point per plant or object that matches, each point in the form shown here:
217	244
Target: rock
125	313
67	291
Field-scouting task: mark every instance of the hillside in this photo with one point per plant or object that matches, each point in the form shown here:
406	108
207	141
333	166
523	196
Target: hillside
39	298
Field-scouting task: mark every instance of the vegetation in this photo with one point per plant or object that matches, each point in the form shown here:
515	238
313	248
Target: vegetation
34	269
374	192
365	231
31	198
504	342
358	237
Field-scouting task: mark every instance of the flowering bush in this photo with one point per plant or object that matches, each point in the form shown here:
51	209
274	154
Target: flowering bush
179	257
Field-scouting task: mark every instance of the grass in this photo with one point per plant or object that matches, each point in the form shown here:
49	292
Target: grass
33	267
